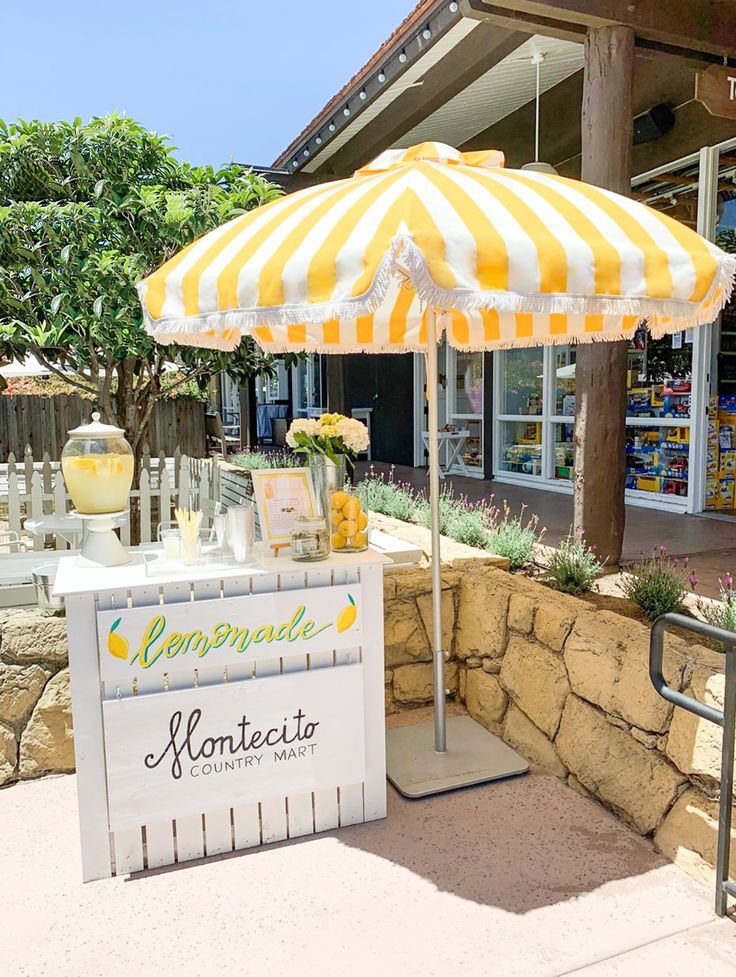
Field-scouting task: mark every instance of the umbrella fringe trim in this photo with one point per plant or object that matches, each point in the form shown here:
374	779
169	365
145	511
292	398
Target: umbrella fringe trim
405	260
523	342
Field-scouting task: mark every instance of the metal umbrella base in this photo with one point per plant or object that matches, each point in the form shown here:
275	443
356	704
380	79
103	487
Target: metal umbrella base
473	756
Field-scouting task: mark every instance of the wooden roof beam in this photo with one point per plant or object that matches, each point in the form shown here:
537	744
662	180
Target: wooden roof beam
703	29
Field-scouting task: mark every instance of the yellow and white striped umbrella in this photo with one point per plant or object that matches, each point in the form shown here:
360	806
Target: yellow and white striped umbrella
504	257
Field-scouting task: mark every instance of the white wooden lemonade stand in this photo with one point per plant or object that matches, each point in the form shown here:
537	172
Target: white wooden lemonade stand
217	709
219	705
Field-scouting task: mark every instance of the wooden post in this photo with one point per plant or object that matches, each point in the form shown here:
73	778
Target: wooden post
336	402
600	375
248	429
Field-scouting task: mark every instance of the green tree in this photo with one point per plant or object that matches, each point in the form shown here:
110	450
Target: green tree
86	211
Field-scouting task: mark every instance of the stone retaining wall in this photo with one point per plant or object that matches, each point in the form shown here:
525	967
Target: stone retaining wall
35	705
568	686
563	683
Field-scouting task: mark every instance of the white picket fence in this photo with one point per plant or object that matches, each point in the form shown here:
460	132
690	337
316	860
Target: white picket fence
35	489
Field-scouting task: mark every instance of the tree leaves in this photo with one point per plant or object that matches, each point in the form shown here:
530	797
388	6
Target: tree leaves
86	211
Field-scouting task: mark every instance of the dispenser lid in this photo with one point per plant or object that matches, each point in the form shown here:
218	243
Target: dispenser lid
95	429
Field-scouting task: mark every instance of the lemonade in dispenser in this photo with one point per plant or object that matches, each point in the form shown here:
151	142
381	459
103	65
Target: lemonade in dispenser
97	463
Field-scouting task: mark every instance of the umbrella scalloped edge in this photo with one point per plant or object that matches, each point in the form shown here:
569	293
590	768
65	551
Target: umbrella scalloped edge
403	260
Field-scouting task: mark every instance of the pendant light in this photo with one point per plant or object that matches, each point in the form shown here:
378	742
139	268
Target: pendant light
538	166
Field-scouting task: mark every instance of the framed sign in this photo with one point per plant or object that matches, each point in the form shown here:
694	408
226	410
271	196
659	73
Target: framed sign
152	640
172	754
282	494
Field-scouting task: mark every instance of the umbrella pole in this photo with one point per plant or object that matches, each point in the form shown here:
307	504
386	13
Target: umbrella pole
438	655
475	756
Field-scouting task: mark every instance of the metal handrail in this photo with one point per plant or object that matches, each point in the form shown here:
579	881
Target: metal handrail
726	720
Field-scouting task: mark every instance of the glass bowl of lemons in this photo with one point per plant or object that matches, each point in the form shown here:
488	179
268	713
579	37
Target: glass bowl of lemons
348	523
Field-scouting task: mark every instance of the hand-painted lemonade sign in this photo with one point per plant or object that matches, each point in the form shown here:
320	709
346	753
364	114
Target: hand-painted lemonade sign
214	633
170	754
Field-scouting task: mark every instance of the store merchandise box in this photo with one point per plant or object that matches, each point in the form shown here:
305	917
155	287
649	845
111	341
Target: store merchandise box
711	493
711	459
727	463
726	493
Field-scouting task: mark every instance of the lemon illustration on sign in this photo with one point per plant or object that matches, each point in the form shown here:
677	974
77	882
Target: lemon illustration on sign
346	617
117	645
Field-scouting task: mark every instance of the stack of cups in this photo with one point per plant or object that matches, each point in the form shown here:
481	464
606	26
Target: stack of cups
241	531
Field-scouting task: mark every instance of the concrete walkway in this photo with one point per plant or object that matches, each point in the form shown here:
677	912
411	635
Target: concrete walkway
710	543
522	879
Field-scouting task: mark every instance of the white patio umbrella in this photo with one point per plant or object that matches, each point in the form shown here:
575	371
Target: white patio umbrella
430	240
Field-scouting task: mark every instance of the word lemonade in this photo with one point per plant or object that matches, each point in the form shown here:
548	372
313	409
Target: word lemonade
155	643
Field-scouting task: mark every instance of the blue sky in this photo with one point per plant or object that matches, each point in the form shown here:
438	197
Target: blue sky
236	78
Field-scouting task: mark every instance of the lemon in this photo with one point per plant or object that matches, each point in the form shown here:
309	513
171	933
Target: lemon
359	541
117	645
338	541
338	500
347	527
362	521
351	509
336	517
346	617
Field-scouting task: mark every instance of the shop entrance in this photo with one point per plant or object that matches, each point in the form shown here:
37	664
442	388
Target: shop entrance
460	405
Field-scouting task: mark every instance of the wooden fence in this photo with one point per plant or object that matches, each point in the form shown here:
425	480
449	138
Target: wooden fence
43	423
35	489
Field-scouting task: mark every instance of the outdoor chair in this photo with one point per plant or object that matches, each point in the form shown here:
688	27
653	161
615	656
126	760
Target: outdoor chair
216	437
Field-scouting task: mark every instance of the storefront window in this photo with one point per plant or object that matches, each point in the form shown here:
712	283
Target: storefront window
565	357
468	380
522	381
521	449
473	453
657	459
659	380
564	451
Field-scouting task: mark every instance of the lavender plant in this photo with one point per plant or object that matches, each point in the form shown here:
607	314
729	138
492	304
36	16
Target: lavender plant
658	583
573	566
720	613
513	536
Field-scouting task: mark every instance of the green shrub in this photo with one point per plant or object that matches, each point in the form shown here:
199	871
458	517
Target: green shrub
250	460
460	519
657	584
386	496
573	566
513	537
721	614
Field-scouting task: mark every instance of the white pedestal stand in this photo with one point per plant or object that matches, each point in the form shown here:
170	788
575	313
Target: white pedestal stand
100	545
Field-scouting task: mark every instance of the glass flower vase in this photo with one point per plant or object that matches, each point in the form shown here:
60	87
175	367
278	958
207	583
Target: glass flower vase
341	508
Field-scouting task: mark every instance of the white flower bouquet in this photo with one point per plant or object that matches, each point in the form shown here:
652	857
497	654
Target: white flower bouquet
330	435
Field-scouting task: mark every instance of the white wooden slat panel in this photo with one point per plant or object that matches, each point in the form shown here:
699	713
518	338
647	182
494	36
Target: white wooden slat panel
374	788
217	822
246	817
37	506
159	834
127	843
299	806
84	674
325	802
274	825
189	829
125	528
13	501
145	505
59	507
350	795
218	831
182	498
164	508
